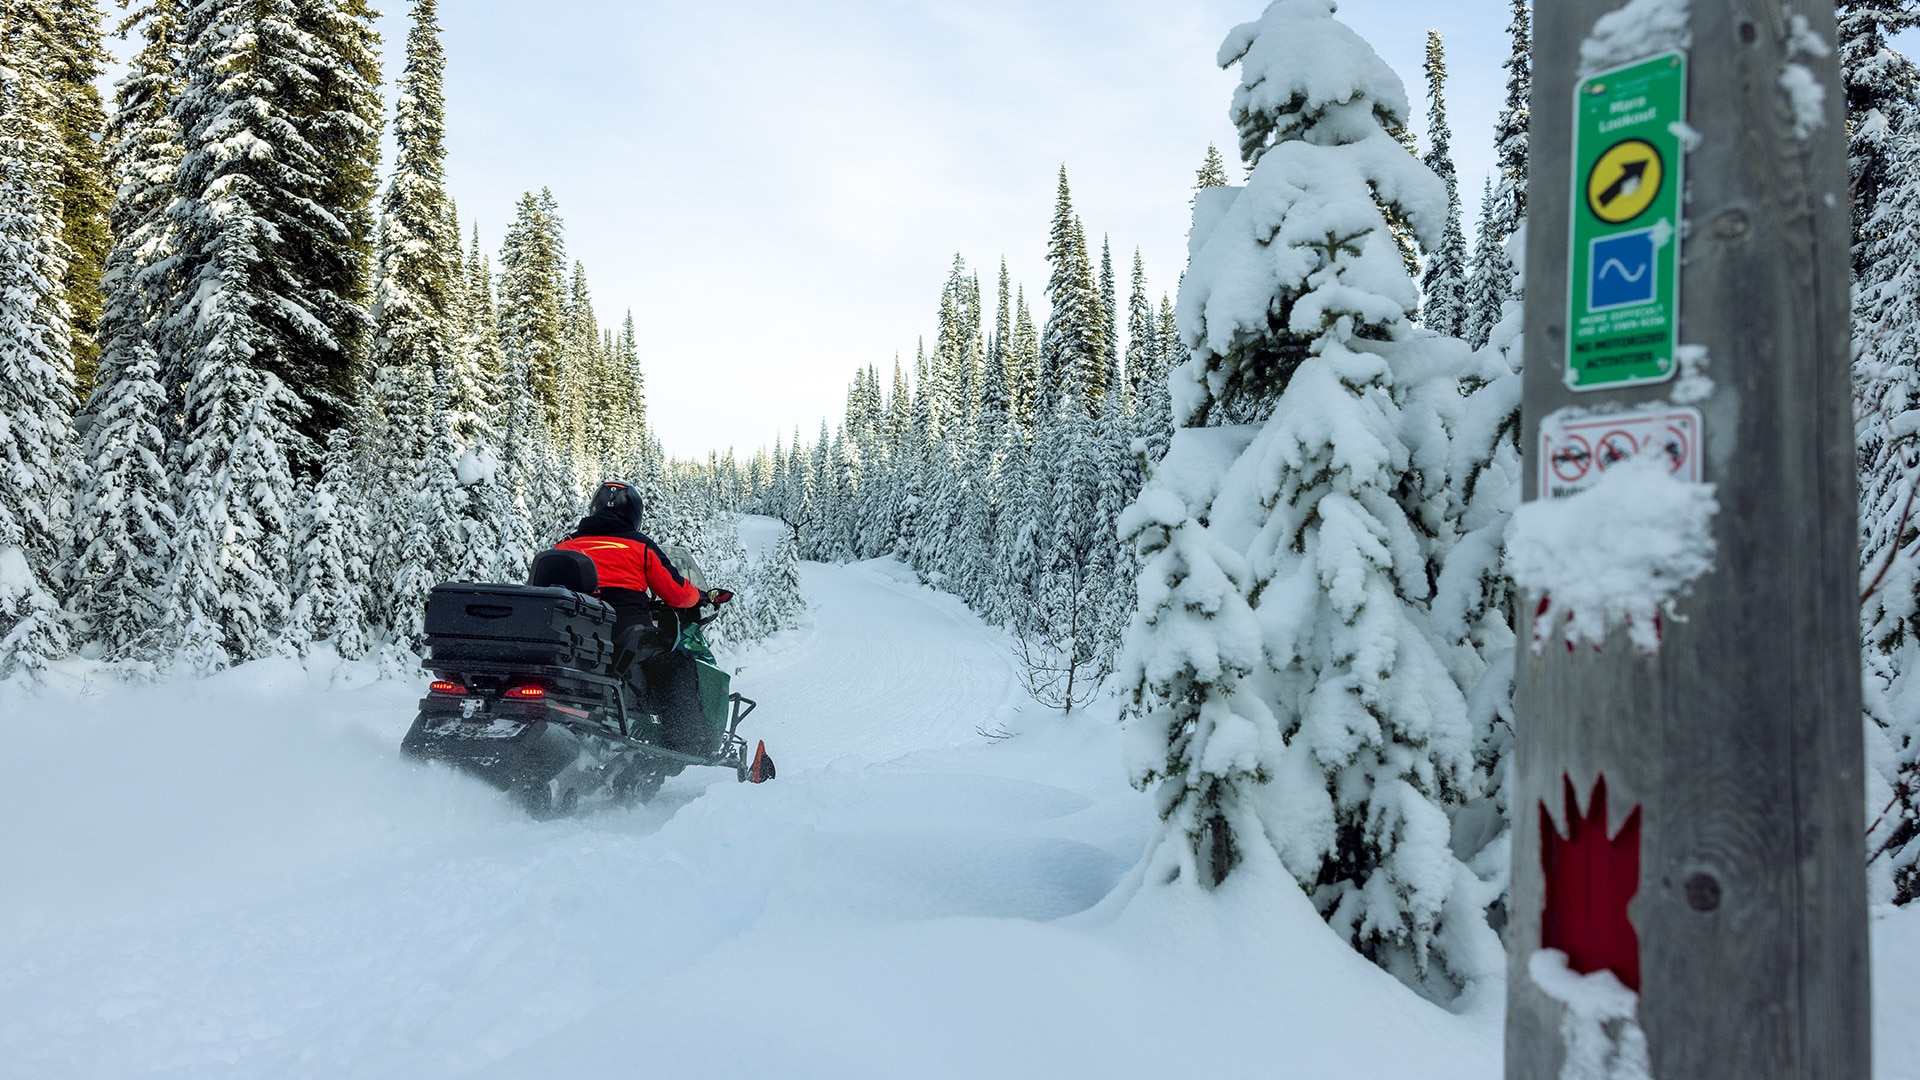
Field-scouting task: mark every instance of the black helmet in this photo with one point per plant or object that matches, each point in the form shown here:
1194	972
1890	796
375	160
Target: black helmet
619	499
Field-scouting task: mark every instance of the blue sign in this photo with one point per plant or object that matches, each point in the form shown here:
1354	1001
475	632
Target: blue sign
1622	269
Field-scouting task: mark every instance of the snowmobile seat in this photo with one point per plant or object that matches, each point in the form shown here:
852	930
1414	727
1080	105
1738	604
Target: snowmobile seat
566	569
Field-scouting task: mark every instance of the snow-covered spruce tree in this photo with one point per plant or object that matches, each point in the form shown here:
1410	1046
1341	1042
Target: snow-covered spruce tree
1473	596
1880	87
229	596
1212	171
529	311
772	588
37	454
1023	363
1443	280
75	64
530	291
1110	374
1510	127
1073	344
1886	320
430	540
1490	281
1143	337
1291	702
253	313
340	119
496	521
1119	477
333	574
414	301
1063	646
985	491
124	520
1154	412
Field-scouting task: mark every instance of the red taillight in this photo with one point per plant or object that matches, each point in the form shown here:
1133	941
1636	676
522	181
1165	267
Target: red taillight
443	687
524	692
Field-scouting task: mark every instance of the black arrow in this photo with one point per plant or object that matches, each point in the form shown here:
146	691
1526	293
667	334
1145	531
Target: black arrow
1632	170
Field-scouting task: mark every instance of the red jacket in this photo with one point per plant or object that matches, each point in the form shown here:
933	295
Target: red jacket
630	561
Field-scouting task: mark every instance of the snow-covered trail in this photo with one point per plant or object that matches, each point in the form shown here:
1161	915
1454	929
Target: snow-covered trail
241	877
890	668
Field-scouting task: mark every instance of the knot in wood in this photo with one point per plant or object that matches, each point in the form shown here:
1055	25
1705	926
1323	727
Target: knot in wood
1703	892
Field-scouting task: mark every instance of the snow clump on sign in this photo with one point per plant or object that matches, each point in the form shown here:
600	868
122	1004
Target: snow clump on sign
1619	552
1598	1024
1641	29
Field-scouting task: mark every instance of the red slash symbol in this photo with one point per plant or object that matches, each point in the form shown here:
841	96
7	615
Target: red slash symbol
1615	448
1572	459
1676	449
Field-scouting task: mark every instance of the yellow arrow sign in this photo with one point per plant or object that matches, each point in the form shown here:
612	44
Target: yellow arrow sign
1624	181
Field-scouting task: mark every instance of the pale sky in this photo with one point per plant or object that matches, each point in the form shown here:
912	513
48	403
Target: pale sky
777	190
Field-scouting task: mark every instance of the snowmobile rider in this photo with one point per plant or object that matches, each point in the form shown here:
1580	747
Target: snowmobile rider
637	578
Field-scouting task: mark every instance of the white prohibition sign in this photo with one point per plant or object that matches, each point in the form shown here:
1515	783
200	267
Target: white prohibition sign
1578	446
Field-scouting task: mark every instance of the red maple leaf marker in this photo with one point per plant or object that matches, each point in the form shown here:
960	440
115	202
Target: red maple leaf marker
1589	881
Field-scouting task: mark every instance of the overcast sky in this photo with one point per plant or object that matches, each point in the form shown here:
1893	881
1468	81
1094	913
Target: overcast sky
777	190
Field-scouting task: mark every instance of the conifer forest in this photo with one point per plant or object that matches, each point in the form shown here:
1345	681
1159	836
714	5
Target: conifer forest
1222	547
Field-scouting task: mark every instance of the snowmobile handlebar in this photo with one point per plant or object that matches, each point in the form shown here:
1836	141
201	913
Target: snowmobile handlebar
710	602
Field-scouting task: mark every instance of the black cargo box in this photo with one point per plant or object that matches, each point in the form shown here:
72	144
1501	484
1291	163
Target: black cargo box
518	624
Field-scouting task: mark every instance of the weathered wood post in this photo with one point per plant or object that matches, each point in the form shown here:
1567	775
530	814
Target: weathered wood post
1731	757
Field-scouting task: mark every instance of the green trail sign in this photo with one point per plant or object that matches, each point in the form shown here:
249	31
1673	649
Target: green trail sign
1623	294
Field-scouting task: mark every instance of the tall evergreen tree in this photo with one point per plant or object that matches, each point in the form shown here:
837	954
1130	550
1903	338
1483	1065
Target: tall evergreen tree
1510	128
531	319
475	392
1286	640
1155	411
37	453
1490	280
1880	86
413	333
1212	171
265	339
333	575
1886	320
1070	348
75	65
340	114
125	524
1443	282
1110	375
1143	336
1023	363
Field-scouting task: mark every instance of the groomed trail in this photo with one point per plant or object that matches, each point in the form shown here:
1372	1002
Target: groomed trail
241	877
888	668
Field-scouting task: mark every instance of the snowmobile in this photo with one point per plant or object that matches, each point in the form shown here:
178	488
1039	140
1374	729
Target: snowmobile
532	692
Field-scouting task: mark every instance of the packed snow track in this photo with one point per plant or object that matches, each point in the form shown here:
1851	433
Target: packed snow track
242	877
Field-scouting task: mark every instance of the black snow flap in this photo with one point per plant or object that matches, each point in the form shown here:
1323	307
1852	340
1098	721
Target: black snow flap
762	770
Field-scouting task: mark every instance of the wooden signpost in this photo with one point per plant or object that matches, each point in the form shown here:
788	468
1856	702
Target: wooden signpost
1711	790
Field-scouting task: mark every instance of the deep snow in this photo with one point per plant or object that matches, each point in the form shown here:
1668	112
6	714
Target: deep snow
240	877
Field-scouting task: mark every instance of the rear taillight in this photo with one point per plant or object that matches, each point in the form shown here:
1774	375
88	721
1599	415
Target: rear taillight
526	692
441	686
